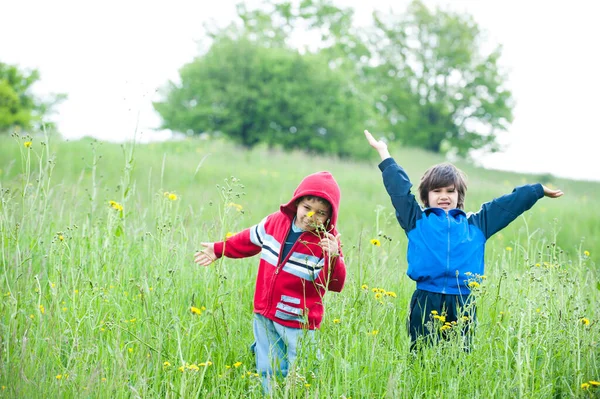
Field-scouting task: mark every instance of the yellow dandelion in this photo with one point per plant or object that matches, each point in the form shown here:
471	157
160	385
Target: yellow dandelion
586	253
364	287
336	321
238	207
64	309
584	321
445	327
229	234
103	379
130	350
181	368
376	242
115	205
307	385
59	377
209	363
434	312
378	296
509	249
193	367
27	144
237	364
585	385
310	214
173	197
594	383
374	332
195	310
537	265
61	238
473	284
391	293
31	316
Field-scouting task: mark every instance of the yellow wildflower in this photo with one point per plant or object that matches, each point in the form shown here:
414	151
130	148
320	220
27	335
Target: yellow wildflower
237	364
445	327
193	367
586	253
585	385
434	312
59	376
364	287
130	350
584	321
229	234
61	238
378	296
374	332
42	309
238	207
473	284
173	197
376	242
310	214
336	321
509	249
594	383
195	310
27	144
115	205
391	293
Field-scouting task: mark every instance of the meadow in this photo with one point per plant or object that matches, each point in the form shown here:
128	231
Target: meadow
100	297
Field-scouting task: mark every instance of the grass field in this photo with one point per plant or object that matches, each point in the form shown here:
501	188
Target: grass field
97	296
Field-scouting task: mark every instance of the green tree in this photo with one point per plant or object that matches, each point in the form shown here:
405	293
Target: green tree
435	87
253	94
18	106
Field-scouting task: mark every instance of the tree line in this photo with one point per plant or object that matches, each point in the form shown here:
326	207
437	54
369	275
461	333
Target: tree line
300	75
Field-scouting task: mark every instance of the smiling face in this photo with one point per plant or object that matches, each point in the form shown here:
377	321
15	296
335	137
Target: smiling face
312	212
443	197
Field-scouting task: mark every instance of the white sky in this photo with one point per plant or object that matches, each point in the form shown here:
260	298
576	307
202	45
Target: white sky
110	57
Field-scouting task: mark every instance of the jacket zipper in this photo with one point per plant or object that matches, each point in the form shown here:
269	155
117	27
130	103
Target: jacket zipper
278	267
447	257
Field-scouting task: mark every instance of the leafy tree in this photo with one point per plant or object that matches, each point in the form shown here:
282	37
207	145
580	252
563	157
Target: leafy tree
18	106
434	86
253	94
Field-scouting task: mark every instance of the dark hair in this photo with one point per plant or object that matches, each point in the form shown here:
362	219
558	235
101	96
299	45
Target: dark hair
315	198
443	175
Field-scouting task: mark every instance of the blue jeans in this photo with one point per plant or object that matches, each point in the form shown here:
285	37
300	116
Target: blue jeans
276	348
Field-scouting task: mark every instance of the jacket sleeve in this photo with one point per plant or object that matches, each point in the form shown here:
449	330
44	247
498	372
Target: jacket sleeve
500	212
337	276
398	185
246	243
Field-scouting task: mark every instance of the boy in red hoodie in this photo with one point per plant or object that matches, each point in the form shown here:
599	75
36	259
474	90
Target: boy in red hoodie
300	259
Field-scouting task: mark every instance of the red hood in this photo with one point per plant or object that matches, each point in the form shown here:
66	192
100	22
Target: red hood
320	184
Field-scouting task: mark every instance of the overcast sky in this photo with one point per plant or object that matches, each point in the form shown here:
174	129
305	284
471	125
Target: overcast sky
110	57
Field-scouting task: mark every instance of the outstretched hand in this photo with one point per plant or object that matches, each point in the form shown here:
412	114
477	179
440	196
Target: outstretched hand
207	255
379	145
552	193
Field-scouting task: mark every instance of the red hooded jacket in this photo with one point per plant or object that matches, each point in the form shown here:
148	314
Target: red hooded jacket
290	291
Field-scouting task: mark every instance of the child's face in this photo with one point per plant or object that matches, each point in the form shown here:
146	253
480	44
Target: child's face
311	213
443	197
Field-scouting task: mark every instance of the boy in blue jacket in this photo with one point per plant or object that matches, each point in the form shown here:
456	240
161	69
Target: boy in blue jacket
445	245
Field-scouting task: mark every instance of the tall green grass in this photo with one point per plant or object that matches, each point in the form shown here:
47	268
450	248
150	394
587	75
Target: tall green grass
96	298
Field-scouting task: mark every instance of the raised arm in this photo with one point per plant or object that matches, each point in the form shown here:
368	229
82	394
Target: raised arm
379	145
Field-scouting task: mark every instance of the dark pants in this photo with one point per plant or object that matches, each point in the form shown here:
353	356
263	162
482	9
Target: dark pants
433	316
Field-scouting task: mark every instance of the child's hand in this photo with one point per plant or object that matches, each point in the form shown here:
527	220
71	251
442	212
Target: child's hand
206	256
379	145
552	193
330	244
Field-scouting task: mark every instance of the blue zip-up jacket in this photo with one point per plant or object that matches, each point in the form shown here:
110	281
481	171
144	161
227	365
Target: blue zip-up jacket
443	248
